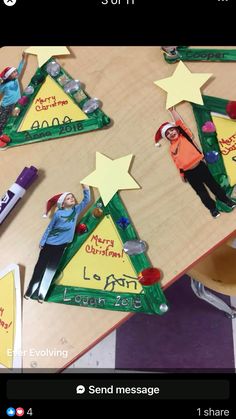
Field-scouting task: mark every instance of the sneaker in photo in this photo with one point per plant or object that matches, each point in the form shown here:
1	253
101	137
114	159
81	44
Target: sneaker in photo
215	213
231	203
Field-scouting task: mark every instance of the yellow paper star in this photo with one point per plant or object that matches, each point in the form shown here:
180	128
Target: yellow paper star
44	53
111	176
183	85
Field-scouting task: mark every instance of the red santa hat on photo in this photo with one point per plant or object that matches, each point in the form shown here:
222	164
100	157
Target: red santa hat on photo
56	200
161	132
7	72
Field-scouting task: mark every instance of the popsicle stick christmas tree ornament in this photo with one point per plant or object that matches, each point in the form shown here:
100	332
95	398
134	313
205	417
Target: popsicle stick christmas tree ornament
53	105
10	318
183	86
216	122
106	265
185	53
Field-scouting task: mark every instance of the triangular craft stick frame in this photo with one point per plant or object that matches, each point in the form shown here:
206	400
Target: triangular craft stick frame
151	300
45	131
184	53
16	350
210	141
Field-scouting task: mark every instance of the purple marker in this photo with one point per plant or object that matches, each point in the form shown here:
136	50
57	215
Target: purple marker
17	191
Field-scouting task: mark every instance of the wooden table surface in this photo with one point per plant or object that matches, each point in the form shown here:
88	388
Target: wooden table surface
166	213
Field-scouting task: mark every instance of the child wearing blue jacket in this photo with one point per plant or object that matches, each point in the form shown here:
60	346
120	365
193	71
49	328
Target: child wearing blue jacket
58	235
10	89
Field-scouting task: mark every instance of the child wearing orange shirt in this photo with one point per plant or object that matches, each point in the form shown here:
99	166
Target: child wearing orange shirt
189	161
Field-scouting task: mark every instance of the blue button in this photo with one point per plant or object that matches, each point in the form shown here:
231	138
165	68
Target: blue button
10	411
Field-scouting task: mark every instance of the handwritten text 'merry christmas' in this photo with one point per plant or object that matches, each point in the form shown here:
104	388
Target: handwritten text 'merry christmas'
228	145
103	247
3	324
43	104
